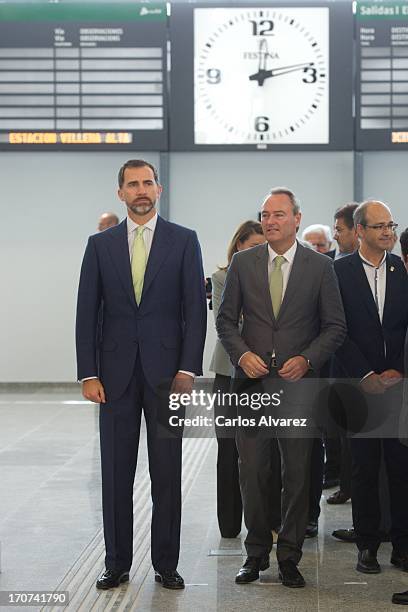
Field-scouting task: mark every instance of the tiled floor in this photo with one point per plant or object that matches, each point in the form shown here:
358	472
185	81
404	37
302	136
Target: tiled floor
51	530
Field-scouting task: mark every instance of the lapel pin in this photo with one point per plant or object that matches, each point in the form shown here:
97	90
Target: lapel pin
392	269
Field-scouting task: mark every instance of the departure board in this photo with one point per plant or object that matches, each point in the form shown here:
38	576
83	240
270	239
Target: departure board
382	76
76	76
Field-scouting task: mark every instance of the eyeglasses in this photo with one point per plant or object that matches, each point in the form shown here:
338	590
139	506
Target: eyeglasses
380	227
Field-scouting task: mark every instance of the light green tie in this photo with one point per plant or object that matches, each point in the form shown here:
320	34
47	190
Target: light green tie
276	284
138	263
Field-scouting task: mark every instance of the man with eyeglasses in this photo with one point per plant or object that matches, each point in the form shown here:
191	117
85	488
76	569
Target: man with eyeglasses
374	288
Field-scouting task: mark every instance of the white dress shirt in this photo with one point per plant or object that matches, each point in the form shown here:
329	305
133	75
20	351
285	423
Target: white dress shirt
148	234
377	278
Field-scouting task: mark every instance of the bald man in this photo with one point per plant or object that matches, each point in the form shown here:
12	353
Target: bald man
107	219
374	289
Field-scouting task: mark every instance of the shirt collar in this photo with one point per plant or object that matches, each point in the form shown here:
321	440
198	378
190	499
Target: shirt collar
132	226
368	263
289	255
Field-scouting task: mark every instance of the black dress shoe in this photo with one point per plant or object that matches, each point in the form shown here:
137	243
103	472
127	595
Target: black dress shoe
345	535
400	559
400	598
251	568
367	562
311	529
170	579
290	575
330	483
111	579
338	497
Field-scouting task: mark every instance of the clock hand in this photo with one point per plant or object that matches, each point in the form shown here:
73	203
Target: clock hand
262	74
263	51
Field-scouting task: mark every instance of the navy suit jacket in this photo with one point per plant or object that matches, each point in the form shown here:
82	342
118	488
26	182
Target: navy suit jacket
168	327
370	344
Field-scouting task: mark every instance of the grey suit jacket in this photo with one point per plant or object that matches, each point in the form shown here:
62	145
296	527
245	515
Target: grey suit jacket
220	362
311	319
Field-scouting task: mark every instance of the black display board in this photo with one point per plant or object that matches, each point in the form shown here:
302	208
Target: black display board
382	76
83	76
261	76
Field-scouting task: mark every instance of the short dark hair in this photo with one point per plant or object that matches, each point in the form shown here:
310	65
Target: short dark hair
285	191
136	163
346	213
404	243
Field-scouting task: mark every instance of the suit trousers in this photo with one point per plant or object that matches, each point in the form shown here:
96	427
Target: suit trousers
337	428
366	493
119	439
255	472
229	503
316	479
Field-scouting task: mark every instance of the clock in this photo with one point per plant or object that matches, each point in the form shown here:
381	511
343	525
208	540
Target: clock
261	76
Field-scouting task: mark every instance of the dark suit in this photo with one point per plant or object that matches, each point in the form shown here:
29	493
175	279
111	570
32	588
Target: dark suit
141	346
310	323
375	345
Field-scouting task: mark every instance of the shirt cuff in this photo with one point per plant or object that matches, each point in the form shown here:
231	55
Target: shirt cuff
309	365
367	375
192	374
88	378
246	353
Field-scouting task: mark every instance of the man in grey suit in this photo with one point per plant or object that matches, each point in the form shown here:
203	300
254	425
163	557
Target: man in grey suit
293	321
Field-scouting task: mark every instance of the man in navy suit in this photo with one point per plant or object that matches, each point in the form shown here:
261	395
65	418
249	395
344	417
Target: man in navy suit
374	290
144	280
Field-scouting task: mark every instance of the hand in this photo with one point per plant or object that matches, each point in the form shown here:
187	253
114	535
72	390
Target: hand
373	384
263	74
253	366
390	377
294	368
93	390
182	383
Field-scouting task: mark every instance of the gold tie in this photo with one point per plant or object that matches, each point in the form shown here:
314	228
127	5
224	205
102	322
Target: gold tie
276	284
138	263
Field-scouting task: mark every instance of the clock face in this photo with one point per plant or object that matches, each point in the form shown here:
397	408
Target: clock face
261	76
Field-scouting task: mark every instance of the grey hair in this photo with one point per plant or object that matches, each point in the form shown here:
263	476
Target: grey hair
285	191
318	227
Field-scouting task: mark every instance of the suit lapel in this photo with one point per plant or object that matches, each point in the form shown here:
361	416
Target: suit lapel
262	278
391	288
118	247
161	245
360	277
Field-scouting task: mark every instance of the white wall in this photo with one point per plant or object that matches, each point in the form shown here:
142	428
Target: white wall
385	178
50	203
